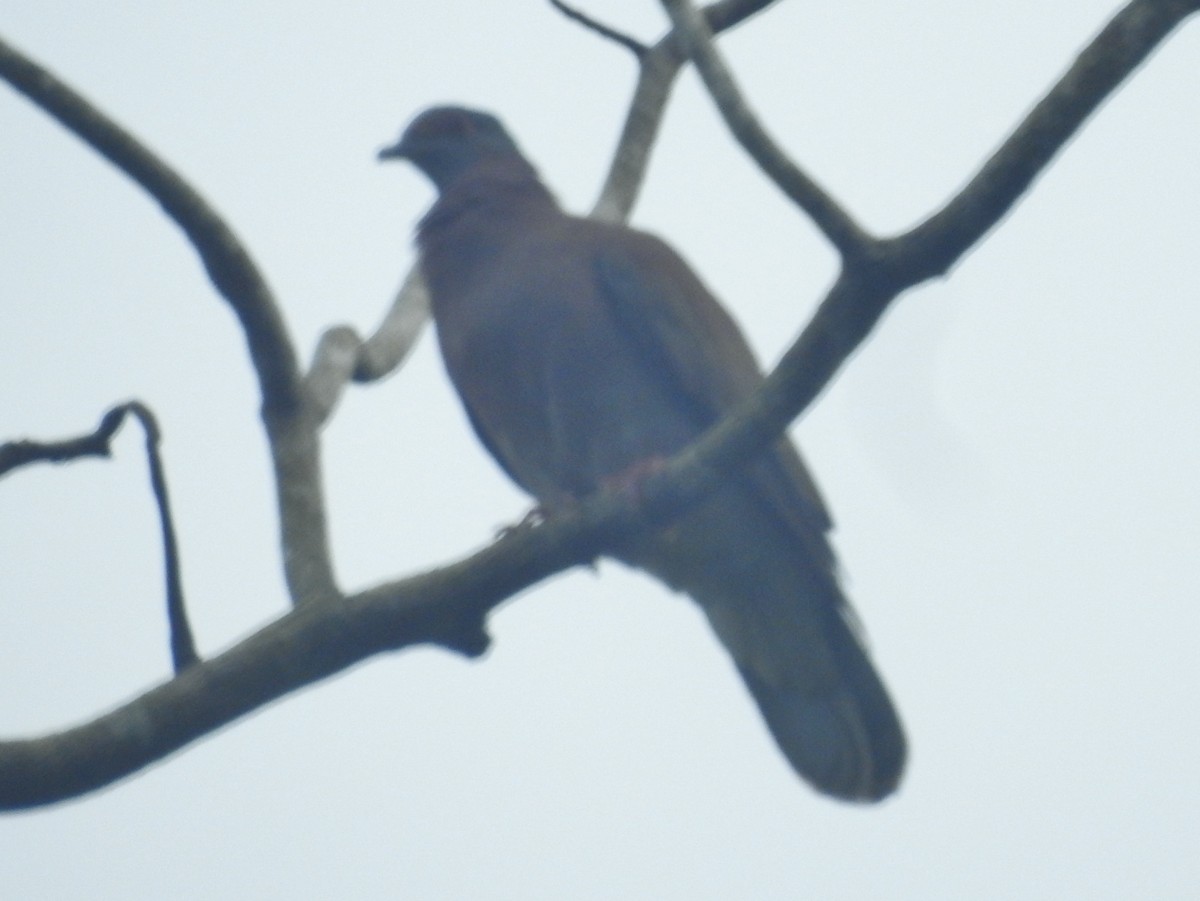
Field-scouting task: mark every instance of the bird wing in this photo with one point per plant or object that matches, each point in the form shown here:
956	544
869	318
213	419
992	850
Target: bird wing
683	332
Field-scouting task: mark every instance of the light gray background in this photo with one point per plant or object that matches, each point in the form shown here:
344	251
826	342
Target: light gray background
1010	460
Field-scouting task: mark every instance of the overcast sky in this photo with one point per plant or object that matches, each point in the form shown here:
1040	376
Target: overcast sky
1011	462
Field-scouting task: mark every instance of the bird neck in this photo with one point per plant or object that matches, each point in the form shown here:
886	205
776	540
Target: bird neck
475	220
488	195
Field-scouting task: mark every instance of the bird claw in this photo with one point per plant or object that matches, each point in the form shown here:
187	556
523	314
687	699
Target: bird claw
533	518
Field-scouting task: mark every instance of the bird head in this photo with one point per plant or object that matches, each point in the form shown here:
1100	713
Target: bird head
446	141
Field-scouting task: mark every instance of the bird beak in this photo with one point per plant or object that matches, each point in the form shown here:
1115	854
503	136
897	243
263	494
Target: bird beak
396	151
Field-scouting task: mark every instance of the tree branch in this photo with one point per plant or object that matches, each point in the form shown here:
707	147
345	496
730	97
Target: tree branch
657	68
448	607
884	269
291	425
1116	52
229	266
842	231
99	444
387	349
620	38
14	454
183	645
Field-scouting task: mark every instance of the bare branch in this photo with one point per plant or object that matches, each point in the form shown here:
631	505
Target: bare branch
1119	49
228	264
656	76
341	356
633	45
445	607
334	361
299	486
385	350
870	283
726	14
183	646
99	444
842	231
14	454
627	171
291	428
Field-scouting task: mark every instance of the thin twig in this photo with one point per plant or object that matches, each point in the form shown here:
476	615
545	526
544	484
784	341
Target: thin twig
632	44
14	454
99	444
838	226
656	76
183	646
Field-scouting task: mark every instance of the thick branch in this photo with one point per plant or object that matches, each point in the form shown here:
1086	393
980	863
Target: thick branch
445	607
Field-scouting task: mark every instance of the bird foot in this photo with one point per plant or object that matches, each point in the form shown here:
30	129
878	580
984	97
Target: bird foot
534	517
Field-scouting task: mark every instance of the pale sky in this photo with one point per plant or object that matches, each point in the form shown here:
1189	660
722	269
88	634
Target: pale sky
1010	462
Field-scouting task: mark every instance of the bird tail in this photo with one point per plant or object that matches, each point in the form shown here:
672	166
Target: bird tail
843	735
783	619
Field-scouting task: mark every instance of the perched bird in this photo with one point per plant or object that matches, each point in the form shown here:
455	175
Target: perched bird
584	351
